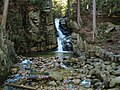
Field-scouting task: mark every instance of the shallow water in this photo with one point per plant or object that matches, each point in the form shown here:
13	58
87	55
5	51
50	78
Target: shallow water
51	54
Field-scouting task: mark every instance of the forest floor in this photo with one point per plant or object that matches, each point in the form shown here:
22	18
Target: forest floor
109	41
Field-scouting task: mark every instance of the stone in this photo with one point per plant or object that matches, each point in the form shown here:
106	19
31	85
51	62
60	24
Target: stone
116	57
82	58
108	26
14	70
56	75
97	84
117	72
90	67
76	81
97	50
115	82
95	81
113	65
114	89
52	83
117	27
109	56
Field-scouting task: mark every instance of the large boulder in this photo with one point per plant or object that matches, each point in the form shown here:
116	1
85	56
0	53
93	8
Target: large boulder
115	82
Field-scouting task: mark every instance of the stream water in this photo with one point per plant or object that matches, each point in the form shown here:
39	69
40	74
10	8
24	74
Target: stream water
60	37
59	53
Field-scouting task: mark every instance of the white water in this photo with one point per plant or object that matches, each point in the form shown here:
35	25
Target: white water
61	36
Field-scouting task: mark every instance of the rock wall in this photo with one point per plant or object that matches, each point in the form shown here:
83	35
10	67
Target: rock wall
7	55
42	32
80	47
30	28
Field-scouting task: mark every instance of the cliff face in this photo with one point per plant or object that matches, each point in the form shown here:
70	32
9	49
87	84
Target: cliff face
30	28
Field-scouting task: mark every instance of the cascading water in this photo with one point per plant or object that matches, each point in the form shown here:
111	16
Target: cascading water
60	37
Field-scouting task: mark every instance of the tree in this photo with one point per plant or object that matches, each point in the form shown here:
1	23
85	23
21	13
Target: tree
78	13
94	20
68	8
51	5
3	23
4	17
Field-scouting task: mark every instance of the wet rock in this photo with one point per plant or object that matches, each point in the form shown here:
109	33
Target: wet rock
117	57
52	83
90	67
95	81
97	84
56	75
113	65
116	73
70	86
109	68
107	62
76	81
82	58
96	73
85	83
82	88
14	70
114	89
115	82
117	27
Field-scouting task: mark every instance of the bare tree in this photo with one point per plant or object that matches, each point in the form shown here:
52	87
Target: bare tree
3	23
68	8
4	17
94	20
51	5
78	13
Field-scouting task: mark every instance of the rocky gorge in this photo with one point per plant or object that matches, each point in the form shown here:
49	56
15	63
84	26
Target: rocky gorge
41	51
70	74
92	69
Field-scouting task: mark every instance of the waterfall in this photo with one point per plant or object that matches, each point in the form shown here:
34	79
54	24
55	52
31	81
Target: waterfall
60	37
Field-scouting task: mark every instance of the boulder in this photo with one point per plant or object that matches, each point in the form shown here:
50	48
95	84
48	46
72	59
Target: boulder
115	82
56	75
107	26
76	81
52	83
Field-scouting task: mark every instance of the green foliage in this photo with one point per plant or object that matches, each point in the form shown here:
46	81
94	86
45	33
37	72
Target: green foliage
110	6
60	7
40	3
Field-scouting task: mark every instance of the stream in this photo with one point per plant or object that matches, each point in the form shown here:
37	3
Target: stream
60	70
26	63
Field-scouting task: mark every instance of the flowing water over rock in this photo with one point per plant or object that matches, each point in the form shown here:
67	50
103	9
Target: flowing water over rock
35	65
64	40
60	37
39	73
59	70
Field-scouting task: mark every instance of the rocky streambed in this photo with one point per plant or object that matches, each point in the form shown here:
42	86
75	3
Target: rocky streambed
54	73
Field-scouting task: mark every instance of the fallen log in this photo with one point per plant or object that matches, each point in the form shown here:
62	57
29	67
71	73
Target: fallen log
20	86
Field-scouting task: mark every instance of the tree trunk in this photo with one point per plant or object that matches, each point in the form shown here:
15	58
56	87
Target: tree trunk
78	13
94	20
68	8
51	5
3	23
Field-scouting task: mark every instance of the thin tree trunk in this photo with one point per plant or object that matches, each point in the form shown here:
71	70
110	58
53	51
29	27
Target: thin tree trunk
78	13
68	8
51	5
3	23
94	20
